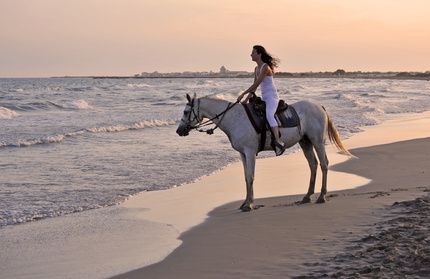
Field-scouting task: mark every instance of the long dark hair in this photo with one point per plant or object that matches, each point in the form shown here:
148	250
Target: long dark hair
266	57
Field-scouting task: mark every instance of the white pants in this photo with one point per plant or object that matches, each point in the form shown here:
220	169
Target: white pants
271	106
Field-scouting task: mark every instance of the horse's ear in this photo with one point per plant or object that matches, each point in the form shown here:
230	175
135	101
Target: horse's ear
195	95
188	98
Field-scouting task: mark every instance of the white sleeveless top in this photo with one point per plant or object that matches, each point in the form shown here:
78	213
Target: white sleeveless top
268	89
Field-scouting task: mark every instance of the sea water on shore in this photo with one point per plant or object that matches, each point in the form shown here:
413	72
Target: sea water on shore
145	229
75	144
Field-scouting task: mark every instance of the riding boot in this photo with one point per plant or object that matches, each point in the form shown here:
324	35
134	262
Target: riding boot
279	148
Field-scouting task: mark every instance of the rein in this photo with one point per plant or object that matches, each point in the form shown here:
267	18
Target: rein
209	121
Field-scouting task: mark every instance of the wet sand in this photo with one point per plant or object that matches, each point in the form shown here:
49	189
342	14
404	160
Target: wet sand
379	230
394	248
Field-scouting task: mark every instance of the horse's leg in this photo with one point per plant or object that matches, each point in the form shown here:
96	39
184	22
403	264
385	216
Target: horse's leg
322	156
308	150
248	161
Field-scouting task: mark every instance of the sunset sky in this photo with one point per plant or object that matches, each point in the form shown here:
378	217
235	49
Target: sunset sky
40	38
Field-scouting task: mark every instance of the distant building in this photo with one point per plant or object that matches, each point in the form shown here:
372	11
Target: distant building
339	72
223	72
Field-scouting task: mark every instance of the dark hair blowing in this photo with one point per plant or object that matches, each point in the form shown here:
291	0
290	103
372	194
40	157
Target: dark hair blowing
266	57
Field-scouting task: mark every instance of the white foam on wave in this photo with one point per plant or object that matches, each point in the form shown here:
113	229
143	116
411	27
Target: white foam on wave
6	113
16	90
218	96
205	84
82	104
77	104
45	140
134	126
138	85
31	142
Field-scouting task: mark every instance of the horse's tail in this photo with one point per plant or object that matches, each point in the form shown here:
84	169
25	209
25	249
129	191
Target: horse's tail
334	137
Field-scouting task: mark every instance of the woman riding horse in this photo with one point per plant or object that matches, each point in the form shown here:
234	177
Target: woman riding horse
263	74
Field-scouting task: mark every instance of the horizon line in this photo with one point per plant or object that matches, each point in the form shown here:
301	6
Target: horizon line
228	71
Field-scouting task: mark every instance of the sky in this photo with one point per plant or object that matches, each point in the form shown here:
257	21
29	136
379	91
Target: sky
42	38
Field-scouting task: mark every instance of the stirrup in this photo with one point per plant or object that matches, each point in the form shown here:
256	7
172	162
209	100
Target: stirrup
279	148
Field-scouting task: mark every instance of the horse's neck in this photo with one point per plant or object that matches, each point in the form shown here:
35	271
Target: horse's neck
210	108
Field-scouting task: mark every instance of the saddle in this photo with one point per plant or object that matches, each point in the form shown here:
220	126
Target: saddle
285	115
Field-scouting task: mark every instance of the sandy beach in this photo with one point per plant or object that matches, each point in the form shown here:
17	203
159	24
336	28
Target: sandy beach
360	232
197	231
336	239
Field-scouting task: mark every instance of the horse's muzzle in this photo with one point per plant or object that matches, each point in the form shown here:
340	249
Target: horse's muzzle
181	131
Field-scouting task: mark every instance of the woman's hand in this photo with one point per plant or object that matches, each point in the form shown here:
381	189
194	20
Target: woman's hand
241	96
250	94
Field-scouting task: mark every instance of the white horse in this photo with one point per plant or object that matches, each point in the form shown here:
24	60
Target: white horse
232	119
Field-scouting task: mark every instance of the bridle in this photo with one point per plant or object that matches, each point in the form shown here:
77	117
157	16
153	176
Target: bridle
201	123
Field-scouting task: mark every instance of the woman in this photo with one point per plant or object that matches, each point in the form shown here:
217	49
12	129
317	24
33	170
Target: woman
264	75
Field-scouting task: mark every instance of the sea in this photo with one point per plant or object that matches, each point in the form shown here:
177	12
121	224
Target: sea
74	144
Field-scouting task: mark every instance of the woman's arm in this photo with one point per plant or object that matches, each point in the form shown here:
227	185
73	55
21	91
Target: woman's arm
257	81
251	93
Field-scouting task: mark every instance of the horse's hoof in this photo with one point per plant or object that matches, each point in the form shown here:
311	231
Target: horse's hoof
321	199
306	199
247	207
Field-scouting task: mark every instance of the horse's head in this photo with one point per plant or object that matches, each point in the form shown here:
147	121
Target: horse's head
190	118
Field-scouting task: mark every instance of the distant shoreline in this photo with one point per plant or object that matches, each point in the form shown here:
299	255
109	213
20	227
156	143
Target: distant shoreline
339	74
316	77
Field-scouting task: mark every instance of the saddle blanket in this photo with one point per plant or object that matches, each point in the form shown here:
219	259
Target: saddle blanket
286	115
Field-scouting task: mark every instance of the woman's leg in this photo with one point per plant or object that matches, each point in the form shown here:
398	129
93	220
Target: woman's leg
271	106
275	131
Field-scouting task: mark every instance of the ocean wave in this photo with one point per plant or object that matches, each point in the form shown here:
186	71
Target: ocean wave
16	90
135	126
138	85
153	123
6	113
79	104
162	104
72	105
31	142
13	218
372	95
349	98
177	98
298	87
49	105
26	107
205	84
217	96
80	89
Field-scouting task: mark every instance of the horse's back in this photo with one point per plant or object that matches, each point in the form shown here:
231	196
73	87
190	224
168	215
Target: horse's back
313	118
307	106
